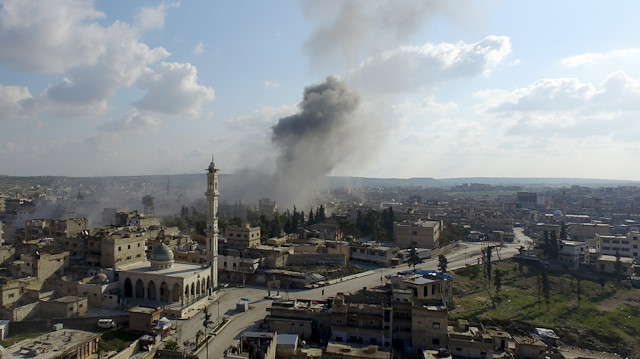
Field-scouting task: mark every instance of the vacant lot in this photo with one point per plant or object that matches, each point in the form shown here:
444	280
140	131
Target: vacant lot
590	313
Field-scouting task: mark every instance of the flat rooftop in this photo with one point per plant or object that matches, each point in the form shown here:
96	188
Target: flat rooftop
178	270
51	345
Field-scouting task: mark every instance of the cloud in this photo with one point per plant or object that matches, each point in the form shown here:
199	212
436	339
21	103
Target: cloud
567	107
152	17
347	31
428	105
50	36
198	49
10	98
410	68
595	58
64	36
173	89
132	121
271	85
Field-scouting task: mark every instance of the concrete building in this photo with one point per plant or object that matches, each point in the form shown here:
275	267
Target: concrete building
423	234
626	246
361	322
237	266
56	228
374	253
121	248
429	326
584	231
469	342
62	344
607	264
243	237
65	307
309	319
41	266
571	254
142	319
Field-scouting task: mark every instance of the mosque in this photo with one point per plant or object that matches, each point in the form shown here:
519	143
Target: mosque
161	281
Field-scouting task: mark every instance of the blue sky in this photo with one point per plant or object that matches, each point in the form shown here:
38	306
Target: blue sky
440	88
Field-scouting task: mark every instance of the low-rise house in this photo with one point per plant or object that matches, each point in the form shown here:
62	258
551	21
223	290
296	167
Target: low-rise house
607	264
375	253
469	342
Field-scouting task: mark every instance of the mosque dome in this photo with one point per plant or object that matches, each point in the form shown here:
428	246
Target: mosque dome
557	213
161	257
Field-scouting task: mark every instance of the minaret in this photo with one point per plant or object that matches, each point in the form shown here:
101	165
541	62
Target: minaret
212	195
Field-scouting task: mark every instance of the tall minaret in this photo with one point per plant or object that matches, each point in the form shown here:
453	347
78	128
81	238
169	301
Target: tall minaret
212	195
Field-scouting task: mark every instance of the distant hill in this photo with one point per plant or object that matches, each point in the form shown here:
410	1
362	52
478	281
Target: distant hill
195	180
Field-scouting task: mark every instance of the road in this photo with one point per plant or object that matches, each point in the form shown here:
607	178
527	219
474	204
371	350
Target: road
465	253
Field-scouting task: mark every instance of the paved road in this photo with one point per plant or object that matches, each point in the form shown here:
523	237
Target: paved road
465	253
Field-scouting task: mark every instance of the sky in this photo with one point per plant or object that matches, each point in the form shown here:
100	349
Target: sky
373	88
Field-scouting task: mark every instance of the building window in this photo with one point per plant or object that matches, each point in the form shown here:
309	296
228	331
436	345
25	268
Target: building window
119	249
436	325
435	341
129	246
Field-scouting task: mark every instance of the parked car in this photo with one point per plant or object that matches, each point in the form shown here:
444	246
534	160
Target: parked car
106	323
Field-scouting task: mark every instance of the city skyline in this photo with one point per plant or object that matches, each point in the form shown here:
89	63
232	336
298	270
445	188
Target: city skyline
398	89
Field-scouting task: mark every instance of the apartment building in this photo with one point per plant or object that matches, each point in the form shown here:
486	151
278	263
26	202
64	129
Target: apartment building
421	233
572	253
626	246
56	228
584	231
243	237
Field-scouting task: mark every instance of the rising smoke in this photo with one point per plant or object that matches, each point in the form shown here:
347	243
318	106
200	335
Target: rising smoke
327	131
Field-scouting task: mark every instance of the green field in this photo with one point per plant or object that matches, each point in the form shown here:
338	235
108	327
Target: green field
605	318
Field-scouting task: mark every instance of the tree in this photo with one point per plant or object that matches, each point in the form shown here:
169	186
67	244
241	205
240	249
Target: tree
443	262
602	282
311	218
388	218
553	246
414	259
206	323
171	345
618	268
489	248
546	288
498	280
321	216
578	290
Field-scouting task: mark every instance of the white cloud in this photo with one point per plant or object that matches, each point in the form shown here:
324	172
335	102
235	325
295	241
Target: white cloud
594	58
198	49
10	98
173	89
63	36
152	17
132	121
410	68
271	85
567	108
50	36
413	107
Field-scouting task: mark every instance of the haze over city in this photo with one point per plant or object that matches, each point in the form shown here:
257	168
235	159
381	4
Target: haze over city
353	88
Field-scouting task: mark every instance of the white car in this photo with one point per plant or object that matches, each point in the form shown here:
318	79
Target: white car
106	323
